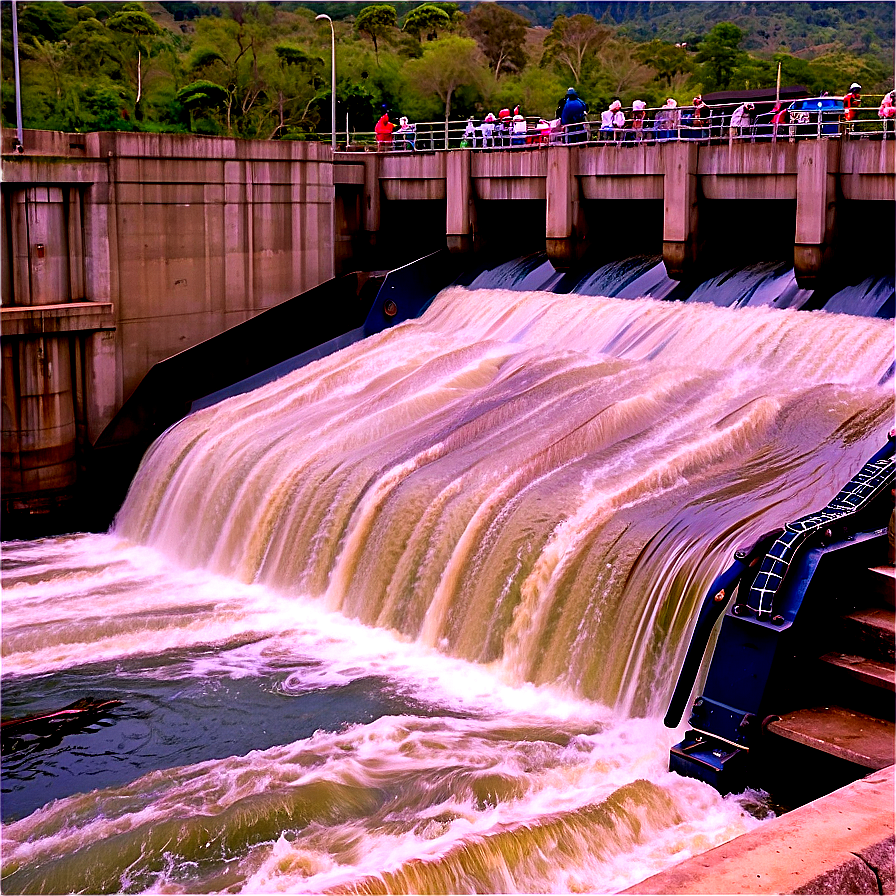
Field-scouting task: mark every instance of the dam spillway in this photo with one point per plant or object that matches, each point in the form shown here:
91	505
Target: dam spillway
520	497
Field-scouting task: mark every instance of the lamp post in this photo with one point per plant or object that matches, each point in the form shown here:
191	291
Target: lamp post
15	41
333	72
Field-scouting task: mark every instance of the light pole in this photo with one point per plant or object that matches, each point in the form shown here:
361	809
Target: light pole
15	41
333	72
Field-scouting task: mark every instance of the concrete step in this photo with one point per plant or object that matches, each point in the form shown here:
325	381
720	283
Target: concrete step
853	736
870	632
882	582
877	673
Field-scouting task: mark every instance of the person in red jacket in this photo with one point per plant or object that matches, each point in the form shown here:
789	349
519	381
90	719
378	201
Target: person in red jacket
383	131
852	101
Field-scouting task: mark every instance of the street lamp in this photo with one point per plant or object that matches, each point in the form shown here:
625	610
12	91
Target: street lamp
333	72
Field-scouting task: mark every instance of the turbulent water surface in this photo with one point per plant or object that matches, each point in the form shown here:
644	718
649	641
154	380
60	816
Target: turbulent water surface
406	620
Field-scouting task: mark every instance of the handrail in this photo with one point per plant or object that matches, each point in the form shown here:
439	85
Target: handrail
825	121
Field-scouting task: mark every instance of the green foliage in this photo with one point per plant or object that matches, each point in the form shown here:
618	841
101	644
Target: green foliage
720	56
111	64
668	61
426	21
501	35
47	21
573	42
376	22
446	65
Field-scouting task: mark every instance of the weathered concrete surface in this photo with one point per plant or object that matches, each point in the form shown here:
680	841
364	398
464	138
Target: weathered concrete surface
841	843
125	249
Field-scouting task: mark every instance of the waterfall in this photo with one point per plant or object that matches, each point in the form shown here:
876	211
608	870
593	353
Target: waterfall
545	483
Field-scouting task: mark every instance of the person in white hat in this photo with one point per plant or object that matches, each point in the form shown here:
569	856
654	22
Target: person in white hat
638	114
741	120
852	101
668	120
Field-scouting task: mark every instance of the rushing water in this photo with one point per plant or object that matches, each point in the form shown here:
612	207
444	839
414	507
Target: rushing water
406	620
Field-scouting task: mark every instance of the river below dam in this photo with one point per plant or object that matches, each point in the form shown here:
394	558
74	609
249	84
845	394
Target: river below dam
407	620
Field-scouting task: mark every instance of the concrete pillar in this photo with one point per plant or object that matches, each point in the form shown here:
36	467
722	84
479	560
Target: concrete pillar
459	200
38	416
817	162
40	247
99	238
75	246
565	234
371	210
680	218
102	387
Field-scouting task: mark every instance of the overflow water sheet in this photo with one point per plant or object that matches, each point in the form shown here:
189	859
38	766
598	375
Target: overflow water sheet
407	620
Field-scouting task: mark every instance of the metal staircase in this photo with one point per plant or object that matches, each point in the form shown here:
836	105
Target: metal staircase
852	716
801	688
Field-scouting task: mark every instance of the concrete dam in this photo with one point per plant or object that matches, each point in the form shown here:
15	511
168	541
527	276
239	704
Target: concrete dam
123	250
438	456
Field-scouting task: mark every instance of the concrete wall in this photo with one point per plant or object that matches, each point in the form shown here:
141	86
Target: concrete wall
814	175
177	237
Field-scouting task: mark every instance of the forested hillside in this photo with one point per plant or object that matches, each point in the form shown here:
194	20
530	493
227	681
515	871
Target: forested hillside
262	69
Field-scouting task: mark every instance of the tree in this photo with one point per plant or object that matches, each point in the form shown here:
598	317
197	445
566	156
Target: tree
201	96
426	20
52	56
501	35
296	83
376	22
227	54
138	34
446	64
667	60
572	40
621	67
720	56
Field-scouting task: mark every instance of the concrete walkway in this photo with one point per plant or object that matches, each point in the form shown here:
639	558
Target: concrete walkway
841	843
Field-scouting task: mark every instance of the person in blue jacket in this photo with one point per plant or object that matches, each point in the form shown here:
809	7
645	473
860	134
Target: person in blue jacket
572	116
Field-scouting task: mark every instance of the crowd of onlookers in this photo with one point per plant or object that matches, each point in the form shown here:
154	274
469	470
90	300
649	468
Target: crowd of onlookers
768	120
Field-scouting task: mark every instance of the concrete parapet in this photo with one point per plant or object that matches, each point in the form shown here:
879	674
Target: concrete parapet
840	843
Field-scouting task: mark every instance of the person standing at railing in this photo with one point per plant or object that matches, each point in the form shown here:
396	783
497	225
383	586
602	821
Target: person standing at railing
667	120
741	121
887	113
573	117
408	133
519	128
383	131
503	127
638	115
699	118
469	137
852	101
779	119
488	130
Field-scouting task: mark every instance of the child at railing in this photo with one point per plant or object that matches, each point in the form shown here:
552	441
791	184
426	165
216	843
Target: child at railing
887	113
408	134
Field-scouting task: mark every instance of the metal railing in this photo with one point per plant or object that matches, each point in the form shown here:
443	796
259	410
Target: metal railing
805	118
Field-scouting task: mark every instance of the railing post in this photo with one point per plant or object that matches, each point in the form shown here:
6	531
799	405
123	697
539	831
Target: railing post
680	213
817	164
565	232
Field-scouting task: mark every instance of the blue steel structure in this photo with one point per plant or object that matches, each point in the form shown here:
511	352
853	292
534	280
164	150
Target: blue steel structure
779	598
